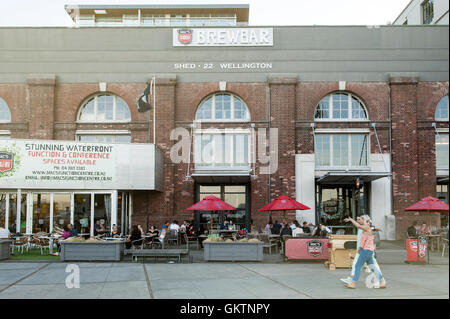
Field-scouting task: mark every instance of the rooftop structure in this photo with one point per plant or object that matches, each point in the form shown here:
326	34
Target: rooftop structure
159	15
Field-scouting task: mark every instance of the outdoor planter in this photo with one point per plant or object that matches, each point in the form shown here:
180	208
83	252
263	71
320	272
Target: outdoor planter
236	251
92	251
5	249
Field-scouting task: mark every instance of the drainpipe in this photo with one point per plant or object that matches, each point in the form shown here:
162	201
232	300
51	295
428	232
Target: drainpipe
390	159
270	155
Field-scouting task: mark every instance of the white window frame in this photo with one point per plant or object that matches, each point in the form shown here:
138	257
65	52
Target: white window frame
5	134
441	119
7	107
79	133
347	132
80	111
213	110
350	109
226	132
441	169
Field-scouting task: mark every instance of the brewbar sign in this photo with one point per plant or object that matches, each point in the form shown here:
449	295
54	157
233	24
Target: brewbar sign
75	165
226	37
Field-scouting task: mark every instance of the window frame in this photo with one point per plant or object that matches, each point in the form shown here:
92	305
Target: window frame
2	101
213	110
441	131
95	97
427	6
347	132
350	109
198	133
80	133
441	119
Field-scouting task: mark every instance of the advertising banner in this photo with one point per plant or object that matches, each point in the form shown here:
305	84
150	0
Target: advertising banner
76	165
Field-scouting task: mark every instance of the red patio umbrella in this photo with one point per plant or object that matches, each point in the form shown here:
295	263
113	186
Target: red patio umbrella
429	204
211	203
283	203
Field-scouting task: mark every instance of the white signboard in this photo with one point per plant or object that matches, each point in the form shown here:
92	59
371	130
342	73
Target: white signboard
75	165
226	37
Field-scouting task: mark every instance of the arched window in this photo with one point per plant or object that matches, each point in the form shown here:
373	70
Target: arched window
104	108
441	113
222	107
340	106
5	113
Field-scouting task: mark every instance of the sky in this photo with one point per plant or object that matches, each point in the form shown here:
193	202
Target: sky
262	12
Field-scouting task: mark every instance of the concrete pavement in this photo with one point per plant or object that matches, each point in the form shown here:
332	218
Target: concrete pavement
127	280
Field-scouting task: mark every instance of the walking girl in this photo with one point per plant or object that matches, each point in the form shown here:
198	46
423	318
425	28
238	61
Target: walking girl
366	250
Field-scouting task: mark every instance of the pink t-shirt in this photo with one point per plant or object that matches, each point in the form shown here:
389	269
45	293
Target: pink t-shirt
367	242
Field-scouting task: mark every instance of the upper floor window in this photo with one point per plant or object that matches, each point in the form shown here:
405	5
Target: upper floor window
340	106
223	107
5	114
341	150
428	11
441	113
104	108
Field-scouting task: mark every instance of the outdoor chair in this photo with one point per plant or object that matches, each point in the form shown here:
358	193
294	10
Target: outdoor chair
21	243
193	240
43	243
157	242
138	243
172	236
147	242
267	242
340	232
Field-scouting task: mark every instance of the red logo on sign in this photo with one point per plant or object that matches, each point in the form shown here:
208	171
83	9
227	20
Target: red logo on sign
315	248
185	36
6	161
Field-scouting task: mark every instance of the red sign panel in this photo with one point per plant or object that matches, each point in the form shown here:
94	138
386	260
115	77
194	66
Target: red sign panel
185	36
6	161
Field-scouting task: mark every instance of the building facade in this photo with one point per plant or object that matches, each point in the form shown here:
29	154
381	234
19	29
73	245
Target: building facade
347	120
424	12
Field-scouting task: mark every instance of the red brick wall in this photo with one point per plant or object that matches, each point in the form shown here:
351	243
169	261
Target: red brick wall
44	109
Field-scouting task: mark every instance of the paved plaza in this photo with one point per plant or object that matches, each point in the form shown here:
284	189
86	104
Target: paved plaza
241	280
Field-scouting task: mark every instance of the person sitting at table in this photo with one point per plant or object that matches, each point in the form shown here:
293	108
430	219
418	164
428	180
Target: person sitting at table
174	226
141	229
412	230
424	230
191	232
320	231
276	228
184	226
134	236
224	225
286	230
297	231
73	231
166	225
98	227
231	226
115	232
306	228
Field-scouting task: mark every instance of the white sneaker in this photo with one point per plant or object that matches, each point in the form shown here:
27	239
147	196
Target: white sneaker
347	280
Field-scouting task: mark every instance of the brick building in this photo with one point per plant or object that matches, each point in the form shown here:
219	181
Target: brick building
357	116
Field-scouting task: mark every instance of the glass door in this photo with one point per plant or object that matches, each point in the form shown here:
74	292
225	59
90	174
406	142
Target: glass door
82	213
41	213
61	209
124	212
